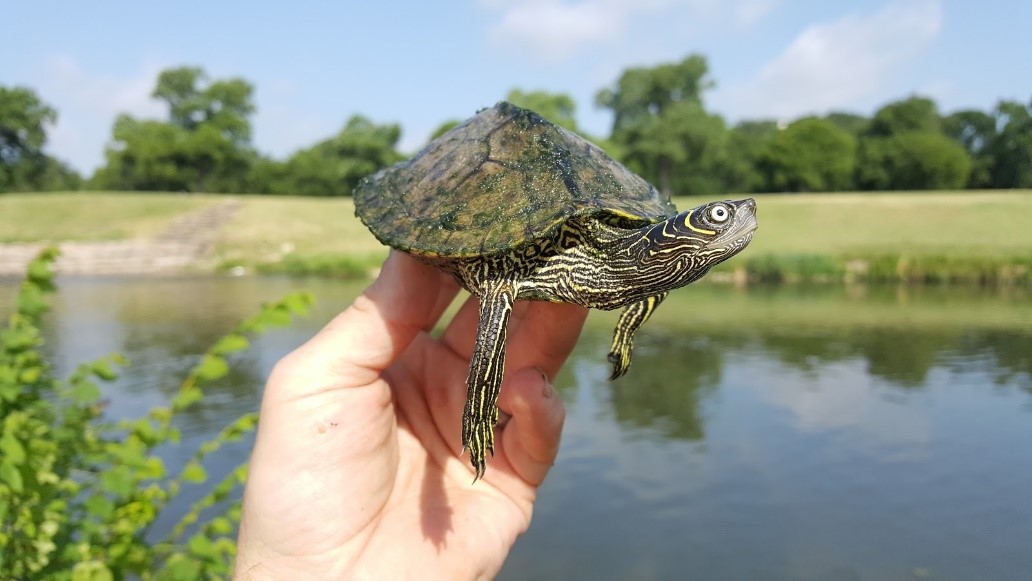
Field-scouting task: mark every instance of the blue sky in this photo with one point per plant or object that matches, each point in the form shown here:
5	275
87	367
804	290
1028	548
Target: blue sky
314	64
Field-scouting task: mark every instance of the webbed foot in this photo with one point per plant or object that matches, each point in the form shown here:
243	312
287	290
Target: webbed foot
633	317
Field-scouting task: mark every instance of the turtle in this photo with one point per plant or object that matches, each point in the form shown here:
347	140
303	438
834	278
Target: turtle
517	208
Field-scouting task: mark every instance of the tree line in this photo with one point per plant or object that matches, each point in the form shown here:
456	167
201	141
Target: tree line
661	129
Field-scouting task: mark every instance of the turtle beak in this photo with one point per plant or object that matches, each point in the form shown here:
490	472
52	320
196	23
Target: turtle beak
745	215
748	203
742	227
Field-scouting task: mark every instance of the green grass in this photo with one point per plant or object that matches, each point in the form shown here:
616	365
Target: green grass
267	229
983	237
90	216
980	223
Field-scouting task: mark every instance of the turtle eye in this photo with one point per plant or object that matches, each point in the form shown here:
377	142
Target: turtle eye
719	214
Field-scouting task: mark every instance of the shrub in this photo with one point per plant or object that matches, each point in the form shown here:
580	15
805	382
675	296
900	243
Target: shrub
79	493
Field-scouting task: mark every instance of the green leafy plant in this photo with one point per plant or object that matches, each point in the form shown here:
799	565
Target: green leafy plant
80	493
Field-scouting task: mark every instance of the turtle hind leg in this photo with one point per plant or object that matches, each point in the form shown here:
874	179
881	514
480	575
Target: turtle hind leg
633	317
485	373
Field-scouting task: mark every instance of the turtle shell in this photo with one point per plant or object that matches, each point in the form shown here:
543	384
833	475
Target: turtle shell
503	178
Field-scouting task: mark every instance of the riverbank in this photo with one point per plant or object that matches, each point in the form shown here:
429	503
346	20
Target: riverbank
933	237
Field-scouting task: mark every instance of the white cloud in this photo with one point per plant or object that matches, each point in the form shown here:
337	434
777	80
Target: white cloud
839	64
556	29
87	104
842	397
750	12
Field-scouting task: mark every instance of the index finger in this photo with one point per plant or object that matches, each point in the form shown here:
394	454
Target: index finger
543	336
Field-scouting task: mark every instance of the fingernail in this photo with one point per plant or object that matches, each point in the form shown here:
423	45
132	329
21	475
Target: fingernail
547	391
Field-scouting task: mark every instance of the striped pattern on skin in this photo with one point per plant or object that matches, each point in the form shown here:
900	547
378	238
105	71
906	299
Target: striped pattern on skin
486	369
600	261
634	316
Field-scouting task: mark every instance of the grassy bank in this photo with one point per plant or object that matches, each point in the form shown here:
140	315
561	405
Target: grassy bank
930	237
978	237
299	236
91	216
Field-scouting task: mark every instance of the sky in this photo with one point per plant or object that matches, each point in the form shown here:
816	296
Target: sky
419	63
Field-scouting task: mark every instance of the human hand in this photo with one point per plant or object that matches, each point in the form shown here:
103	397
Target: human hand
356	469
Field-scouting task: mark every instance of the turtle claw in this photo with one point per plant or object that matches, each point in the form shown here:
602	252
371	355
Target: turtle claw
479	443
621	361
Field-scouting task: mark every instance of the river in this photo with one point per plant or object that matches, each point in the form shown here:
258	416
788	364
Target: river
794	432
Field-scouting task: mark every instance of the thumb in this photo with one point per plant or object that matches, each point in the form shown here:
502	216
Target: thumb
358	344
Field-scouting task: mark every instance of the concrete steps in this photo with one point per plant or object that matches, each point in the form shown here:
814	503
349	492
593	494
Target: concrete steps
187	240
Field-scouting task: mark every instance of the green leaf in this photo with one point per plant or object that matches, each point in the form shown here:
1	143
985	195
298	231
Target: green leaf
8	374
9	392
274	316
31	302
38	271
10	474
49	528
118	480
100	506
12	450
91	571
85	392
31	375
193	472
144	429
211	368
230	344
202	546
179	567
186	398
220	526
102	369
161	415
298	303
153	468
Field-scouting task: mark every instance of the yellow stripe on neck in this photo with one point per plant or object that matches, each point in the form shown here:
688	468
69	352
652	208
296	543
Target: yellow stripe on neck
688	223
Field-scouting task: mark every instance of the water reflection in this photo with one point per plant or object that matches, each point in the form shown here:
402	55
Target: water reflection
672	374
775	433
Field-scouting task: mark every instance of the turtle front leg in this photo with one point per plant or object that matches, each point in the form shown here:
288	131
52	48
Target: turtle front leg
633	317
485	373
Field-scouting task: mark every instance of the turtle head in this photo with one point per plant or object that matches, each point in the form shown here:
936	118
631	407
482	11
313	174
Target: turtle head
702	237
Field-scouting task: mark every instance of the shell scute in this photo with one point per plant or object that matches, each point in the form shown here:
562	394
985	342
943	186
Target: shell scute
502	178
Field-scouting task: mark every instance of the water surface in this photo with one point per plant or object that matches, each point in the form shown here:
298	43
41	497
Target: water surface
774	433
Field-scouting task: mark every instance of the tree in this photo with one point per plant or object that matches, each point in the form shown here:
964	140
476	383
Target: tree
976	132
905	149
644	93
204	145
146	155
334	167
444	128
24	118
810	155
55	175
559	108
683	150
746	143
662	130
852	123
222	104
911	114
913	160
1011	150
